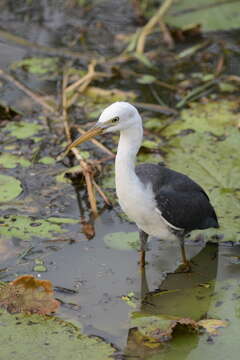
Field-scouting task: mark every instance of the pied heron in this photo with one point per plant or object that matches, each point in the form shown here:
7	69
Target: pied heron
162	202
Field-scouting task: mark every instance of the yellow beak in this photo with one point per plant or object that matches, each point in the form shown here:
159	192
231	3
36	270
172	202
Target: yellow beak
96	130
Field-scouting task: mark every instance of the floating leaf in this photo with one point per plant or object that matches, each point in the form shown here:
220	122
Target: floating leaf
10	188
22	130
151	331
122	240
8	161
39	266
29	295
206	305
212	325
226	87
154	124
39	66
108	180
149	144
211	14
24	337
146	79
24	227
213	117
59	220
215	165
47	160
99	95
149	157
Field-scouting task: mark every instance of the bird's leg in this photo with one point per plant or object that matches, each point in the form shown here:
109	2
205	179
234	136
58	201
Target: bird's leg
183	252
185	266
143	240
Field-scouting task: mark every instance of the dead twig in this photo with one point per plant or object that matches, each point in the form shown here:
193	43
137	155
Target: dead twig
220	65
145	31
103	160
82	83
85	167
99	190
167	37
37	98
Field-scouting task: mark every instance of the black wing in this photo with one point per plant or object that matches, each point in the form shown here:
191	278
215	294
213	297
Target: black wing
182	202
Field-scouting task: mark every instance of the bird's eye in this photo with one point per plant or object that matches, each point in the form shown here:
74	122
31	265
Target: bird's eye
116	119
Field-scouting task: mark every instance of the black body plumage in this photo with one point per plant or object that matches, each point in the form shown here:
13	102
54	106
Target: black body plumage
181	201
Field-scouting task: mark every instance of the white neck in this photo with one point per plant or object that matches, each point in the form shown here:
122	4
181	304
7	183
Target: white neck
129	144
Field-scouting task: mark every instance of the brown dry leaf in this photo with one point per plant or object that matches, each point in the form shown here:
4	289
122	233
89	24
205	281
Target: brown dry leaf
152	331
29	295
166	334
212	325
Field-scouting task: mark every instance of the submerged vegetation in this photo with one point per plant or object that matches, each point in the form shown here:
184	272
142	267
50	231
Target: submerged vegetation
178	63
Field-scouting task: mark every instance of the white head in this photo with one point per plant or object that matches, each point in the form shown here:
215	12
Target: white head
116	117
119	116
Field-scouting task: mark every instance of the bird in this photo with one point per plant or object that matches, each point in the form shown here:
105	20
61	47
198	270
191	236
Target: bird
162	202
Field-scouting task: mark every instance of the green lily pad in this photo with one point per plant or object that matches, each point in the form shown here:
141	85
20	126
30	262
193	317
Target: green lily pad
58	220
108	179
211	14
10	188
39	266
23	130
149	157
11	161
146	79
122	240
226	87
149	144
23	227
38	337
154	124
39	66
47	160
213	117
190	302
215	165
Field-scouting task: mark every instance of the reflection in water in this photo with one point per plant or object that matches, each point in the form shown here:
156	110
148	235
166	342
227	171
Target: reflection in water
184	295
87	226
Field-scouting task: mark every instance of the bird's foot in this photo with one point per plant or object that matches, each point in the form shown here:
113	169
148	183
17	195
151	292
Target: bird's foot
184	267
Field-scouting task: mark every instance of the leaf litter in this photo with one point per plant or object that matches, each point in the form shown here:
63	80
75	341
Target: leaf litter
153	331
28	295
